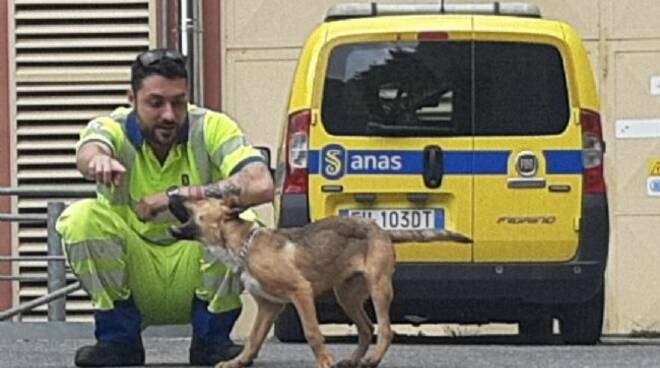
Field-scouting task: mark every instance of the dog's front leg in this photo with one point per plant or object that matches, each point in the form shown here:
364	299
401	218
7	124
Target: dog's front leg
303	299
266	313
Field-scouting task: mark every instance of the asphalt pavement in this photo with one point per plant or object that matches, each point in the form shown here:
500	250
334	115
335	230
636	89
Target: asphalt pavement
54	346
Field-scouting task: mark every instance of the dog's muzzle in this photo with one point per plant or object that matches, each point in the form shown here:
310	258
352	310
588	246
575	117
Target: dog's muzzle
188	229
185	231
178	208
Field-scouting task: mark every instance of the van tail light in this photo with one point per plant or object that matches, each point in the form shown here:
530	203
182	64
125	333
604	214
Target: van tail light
593	148
297	152
432	36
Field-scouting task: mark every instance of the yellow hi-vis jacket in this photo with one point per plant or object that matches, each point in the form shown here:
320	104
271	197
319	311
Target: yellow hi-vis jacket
211	147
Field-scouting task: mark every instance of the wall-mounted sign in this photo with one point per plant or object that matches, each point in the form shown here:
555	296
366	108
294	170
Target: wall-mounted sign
637	128
654	167
653	185
653	181
655	85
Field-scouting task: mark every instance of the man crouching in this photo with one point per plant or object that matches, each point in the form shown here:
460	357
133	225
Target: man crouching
119	245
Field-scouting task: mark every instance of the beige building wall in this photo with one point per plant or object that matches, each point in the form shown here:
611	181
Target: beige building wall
262	40
631	52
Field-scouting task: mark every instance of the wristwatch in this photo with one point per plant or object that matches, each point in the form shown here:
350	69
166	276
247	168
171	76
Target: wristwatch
173	191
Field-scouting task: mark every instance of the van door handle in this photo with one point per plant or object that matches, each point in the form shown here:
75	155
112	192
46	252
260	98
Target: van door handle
433	166
525	183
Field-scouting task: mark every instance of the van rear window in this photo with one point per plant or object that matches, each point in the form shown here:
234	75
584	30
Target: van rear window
426	89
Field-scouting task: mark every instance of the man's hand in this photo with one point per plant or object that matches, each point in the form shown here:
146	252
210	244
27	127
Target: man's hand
106	170
150	206
96	163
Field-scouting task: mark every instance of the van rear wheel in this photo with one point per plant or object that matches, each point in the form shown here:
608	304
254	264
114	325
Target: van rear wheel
288	327
582	324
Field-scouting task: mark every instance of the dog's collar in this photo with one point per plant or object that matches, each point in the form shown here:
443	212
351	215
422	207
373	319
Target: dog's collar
245	246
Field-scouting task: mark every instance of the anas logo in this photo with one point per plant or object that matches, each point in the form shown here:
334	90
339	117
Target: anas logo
333	161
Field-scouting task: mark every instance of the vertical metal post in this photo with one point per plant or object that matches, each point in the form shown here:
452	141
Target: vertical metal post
197	49
56	269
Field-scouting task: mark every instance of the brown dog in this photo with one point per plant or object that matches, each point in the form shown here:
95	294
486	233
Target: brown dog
352	256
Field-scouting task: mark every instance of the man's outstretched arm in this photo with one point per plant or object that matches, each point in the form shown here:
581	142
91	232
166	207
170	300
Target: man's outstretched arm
95	162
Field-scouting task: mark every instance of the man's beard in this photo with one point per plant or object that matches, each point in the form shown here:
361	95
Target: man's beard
162	134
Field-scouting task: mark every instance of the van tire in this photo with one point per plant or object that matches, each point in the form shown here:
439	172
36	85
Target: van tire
582	324
288	327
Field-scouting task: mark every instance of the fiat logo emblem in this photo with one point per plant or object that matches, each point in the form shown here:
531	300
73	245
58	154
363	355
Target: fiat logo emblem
526	164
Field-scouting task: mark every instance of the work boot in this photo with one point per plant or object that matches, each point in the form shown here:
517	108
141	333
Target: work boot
118	338
211	354
210	340
110	354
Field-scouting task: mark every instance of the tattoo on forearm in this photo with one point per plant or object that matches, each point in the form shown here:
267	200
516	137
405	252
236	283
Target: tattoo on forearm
216	190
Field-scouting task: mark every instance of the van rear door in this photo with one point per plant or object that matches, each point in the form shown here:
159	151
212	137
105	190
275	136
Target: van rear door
528	209
391	138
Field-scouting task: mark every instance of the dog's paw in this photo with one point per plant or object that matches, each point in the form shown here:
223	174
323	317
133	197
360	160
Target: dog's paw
325	363
368	363
346	363
232	364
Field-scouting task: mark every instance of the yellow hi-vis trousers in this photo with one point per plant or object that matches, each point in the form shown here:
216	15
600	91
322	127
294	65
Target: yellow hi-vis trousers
114	263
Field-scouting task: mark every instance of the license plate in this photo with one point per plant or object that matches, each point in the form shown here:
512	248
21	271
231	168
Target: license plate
401	219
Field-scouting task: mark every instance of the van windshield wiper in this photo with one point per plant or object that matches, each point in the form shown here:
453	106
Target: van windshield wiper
406	130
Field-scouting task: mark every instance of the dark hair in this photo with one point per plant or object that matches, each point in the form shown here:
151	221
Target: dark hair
164	62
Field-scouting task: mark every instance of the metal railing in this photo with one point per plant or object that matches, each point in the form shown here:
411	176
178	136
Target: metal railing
56	275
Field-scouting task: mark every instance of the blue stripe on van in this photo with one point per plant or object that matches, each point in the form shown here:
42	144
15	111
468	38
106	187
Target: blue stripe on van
313	161
563	162
411	162
392	162
477	163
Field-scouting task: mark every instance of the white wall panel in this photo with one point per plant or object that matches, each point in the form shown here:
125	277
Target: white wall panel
260	78
637	264
633	100
632	19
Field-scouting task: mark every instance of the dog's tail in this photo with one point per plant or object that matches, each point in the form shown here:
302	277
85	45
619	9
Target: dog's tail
427	235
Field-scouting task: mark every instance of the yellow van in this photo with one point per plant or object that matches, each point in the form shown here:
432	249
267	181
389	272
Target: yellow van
478	118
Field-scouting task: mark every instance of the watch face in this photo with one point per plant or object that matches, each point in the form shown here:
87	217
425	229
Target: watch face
172	191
